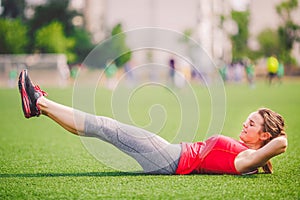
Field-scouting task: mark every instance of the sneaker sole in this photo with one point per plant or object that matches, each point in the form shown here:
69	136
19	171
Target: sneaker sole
25	100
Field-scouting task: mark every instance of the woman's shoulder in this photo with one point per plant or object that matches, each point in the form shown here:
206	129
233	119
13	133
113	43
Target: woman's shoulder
219	137
224	138
226	143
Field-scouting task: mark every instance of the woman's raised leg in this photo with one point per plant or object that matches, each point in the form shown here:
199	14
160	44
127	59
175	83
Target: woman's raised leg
152	152
63	115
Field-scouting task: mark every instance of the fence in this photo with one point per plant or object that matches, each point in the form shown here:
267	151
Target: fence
46	69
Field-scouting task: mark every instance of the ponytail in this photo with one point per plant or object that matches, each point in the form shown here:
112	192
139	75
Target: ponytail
268	168
273	124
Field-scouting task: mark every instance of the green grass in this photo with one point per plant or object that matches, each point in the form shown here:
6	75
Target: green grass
40	160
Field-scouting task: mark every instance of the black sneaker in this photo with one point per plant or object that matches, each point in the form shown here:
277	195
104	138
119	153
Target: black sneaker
29	95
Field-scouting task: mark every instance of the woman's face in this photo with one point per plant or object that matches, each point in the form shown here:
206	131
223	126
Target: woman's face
252	129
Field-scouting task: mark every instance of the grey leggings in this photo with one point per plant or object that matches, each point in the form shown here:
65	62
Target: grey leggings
153	153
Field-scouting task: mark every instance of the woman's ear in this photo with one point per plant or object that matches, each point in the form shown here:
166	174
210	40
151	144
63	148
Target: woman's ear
265	136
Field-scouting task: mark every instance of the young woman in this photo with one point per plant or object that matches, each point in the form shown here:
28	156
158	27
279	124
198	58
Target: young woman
261	138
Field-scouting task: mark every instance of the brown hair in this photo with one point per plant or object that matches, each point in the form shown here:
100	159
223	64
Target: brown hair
273	124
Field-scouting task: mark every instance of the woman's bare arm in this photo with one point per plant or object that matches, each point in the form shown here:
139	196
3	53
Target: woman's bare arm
250	160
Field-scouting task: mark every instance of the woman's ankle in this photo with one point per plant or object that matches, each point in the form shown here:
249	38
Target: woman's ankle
42	104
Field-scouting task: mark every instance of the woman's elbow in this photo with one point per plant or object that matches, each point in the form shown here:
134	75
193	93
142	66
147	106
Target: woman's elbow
284	148
284	144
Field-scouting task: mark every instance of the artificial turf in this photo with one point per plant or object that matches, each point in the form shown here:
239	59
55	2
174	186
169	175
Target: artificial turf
40	160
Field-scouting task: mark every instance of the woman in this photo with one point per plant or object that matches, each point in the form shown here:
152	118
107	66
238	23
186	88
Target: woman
261	138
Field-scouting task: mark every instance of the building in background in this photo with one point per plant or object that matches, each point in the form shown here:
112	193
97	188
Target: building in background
202	16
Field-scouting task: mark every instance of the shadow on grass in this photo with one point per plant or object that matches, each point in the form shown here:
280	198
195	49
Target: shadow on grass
106	174
83	174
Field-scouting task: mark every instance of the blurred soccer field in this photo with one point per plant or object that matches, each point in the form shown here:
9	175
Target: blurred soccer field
40	160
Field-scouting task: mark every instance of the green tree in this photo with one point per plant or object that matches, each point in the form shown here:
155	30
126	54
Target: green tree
119	45
13	8
51	39
269	43
113	49
239	40
289	32
13	36
54	10
58	11
83	44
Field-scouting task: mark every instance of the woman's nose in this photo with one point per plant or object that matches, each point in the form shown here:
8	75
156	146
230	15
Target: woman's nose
245	125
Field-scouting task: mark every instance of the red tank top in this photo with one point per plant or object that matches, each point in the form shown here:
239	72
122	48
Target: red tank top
214	156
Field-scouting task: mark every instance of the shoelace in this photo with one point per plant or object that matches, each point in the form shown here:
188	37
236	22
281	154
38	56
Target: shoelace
43	93
38	89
